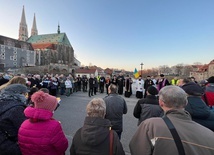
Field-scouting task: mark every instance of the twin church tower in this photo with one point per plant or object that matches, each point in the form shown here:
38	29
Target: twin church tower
23	30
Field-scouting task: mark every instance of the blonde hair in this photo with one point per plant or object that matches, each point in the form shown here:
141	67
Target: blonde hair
96	108
14	80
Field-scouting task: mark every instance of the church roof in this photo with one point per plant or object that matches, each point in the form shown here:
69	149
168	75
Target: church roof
50	38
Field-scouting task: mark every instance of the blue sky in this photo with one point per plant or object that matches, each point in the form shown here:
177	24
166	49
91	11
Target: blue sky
122	33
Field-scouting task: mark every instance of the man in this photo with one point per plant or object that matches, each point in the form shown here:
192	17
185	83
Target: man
102	83
139	87
162	82
148	82
120	82
115	108
91	85
154	137
174	81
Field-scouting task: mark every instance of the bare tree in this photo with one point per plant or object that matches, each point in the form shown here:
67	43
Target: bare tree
179	68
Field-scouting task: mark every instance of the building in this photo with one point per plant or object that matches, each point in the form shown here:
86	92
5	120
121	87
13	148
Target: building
87	72
15	54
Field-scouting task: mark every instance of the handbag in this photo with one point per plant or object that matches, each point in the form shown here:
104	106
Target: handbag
175	135
111	142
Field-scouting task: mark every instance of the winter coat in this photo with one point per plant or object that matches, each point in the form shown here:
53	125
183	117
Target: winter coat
200	112
11	118
93	138
147	108
208	97
154	138
115	108
41	134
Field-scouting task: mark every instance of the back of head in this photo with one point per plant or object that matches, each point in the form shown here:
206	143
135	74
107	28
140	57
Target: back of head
112	88
96	108
210	79
45	101
173	97
152	90
192	88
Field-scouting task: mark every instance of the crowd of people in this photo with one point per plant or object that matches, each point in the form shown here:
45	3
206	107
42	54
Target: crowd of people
178	110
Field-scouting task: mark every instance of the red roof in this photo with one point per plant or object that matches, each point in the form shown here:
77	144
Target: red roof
43	46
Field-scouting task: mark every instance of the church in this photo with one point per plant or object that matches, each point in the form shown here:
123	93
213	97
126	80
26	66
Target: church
52	53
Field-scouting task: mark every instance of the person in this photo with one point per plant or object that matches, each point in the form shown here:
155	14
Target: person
40	134
148	82
128	86
12	105
14	80
93	137
95	85
68	87
120	82
107	83
79	81
154	137
115	108
91	83
139	87
29	95
3	79
114	80
148	107
197	108
162	82
102	81
208	96
84	83
174	81
62	80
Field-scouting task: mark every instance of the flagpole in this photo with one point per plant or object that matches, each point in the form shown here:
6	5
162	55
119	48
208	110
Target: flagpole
141	68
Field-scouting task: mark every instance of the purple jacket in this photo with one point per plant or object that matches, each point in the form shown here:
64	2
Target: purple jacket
41	134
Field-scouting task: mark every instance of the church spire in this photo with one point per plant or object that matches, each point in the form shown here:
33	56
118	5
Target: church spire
23	32
34	30
58	31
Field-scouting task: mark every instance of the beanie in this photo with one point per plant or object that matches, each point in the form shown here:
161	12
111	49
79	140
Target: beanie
152	90
210	79
191	88
45	101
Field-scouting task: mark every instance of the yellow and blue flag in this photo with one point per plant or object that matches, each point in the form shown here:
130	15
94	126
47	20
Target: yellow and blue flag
136	74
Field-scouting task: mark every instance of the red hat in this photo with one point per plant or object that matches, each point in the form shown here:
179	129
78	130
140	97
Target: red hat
45	101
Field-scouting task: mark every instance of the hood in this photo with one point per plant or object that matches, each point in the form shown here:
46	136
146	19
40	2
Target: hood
38	114
8	104
95	130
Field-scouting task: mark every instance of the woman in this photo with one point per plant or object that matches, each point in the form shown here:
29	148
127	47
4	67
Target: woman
41	134
94	136
14	80
12	105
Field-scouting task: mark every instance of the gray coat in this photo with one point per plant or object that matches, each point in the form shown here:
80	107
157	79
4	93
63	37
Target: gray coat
154	138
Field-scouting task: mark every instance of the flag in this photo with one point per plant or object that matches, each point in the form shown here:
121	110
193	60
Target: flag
136	74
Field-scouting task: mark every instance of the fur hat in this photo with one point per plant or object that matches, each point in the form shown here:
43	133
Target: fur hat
191	88
16	89
45	101
152	90
210	79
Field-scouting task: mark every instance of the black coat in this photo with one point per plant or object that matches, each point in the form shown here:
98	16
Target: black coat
11	118
200	112
147	108
93	138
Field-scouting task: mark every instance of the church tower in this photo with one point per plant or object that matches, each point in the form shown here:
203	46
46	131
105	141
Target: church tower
23	32
34	30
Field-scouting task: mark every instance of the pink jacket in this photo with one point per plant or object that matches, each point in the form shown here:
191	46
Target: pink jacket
41	134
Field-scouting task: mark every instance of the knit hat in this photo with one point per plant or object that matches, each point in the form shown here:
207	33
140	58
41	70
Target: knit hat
16	89
210	79
152	90
191	88
45	101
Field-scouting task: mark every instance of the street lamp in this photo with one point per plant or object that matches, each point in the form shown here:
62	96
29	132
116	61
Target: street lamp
141	68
